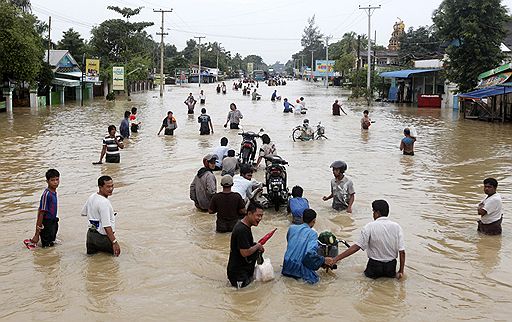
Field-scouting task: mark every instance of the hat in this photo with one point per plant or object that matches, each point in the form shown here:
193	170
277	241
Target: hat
226	181
210	157
339	164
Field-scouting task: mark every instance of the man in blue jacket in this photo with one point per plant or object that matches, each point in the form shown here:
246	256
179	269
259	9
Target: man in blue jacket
301	259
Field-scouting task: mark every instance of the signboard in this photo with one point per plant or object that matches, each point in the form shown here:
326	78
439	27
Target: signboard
323	65
118	78
250	68
92	70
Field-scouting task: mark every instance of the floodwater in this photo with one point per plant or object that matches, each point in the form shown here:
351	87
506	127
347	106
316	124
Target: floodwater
173	264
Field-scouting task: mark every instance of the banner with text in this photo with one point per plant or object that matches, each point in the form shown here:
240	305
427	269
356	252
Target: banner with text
92	70
118	78
250	68
322	66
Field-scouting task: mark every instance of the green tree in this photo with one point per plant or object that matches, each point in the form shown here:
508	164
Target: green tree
24	5
256	60
72	41
475	30
21	49
312	40
422	43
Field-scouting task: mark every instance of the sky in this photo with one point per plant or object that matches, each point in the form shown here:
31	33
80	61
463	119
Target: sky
271	29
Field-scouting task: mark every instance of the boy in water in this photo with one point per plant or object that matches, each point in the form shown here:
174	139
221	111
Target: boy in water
297	205
365	120
47	220
230	164
134	124
206	123
407	143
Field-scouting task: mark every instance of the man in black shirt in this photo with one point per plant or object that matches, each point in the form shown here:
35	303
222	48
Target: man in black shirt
206	123
228	205
243	250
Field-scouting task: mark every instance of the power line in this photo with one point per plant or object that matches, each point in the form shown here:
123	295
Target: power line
236	37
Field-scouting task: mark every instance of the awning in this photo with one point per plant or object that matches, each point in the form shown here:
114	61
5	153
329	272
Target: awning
494	80
66	82
487	92
406	73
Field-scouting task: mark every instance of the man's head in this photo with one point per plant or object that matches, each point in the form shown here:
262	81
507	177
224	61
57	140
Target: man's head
490	186
232	106
365	112
226	181
297	191
106	186
231	153
134	110
169	114
285	99
112	130
209	161
338	168
380	208
407	131
224	141
52	178
127	114
309	217
246	171
254	214
335	101
265	138
301	98
203	110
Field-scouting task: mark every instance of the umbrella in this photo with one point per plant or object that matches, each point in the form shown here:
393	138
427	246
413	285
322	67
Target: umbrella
264	239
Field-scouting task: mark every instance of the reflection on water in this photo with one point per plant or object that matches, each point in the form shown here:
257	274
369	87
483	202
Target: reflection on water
172	260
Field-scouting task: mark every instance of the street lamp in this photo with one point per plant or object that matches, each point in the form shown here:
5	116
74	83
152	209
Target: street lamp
218	51
128	74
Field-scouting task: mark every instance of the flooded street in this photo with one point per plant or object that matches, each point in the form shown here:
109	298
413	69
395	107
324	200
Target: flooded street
173	264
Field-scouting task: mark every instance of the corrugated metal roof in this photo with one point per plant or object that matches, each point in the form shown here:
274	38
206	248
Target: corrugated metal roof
487	92
406	73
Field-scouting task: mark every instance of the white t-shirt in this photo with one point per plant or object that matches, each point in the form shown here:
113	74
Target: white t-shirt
98	208
220	152
493	206
382	239
242	186
267	150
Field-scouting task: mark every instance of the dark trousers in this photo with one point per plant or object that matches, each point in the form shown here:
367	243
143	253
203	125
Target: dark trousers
97	242
112	158
375	269
168	132
233	126
493	228
49	232
134	128
240	282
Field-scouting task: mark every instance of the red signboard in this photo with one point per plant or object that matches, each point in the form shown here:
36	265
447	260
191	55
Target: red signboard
429	101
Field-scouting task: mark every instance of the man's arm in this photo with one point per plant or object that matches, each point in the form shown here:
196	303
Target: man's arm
39	226
249	251
103	151
120	144
351	200
352	249
400	272
112	238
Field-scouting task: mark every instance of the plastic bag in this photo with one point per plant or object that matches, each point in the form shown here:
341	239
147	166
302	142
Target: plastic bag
264	272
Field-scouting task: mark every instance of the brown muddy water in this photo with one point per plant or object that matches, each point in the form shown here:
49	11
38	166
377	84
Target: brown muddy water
173	264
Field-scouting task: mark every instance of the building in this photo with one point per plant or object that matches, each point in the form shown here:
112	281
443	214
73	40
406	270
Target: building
398	31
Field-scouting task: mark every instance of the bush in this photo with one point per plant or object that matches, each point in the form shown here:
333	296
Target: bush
111	96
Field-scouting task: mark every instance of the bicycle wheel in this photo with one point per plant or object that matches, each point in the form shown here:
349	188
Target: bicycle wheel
297	135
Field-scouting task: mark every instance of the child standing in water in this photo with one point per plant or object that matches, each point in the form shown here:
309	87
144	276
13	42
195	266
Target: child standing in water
407	143
365	120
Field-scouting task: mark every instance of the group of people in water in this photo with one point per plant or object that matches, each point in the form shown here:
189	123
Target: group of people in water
237	211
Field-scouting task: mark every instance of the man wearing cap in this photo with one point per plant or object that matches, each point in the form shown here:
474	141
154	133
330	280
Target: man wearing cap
383	241
204	185
228	206
342	188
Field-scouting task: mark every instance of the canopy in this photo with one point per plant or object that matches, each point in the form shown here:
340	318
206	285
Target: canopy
487	92
65	82
406	73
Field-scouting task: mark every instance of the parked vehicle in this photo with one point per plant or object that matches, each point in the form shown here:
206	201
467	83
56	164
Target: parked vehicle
248	148
305	133
275	181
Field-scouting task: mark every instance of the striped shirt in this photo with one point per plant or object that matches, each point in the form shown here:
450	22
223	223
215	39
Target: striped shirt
110	142
48	204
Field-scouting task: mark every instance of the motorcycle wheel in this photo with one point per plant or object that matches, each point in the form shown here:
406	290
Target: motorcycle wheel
296	135
245	156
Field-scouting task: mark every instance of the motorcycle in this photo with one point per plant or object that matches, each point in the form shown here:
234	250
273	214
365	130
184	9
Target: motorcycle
275	181
328	246
303	134
248	147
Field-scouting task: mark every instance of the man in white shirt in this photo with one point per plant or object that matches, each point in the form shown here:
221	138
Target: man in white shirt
221	152
490	209
243	183
102	223
383	241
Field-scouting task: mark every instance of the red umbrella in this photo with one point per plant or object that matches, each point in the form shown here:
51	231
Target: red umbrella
264	239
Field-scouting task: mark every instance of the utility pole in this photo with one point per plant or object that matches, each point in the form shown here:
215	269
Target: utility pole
200	37
48	60
327	61
311	78
368	77
301	66
358	60
162	33
218	51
